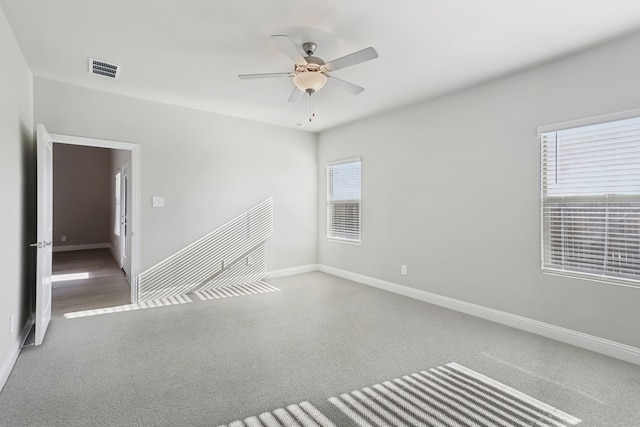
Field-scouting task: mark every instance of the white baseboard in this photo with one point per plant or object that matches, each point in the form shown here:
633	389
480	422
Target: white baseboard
7	366
81	247
10	361
292	271
115	255
568	336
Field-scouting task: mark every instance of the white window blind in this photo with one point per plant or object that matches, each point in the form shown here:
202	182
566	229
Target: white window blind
343	201
590	190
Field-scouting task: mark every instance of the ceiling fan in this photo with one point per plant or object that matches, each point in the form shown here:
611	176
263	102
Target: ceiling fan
310	73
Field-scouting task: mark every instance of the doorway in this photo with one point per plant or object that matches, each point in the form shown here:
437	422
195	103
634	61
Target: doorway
112	265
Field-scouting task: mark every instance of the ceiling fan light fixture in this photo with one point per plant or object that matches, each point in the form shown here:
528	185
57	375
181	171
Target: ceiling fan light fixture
310	81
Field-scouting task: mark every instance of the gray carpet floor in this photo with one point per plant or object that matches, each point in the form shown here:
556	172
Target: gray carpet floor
209	363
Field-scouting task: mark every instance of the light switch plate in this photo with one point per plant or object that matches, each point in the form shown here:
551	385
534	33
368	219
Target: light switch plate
158	201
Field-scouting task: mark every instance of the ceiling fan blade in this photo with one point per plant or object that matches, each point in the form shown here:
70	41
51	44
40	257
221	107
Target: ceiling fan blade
344	85
262	76
287	47
352	59
296	95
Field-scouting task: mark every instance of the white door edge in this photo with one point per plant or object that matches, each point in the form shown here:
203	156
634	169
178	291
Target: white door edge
44	244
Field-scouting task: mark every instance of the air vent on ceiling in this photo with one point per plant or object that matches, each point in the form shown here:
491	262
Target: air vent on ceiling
102	68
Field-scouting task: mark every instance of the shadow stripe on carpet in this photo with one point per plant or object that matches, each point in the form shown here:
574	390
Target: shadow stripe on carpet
236	290
162	302
301	415
227	291
447	396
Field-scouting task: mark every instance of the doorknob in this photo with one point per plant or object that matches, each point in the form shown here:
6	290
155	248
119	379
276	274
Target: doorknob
40	244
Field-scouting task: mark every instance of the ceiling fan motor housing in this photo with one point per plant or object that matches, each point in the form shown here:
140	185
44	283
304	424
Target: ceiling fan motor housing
309	48
314	60
311	68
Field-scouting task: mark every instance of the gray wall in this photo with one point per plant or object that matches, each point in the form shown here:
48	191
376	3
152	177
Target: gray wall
81	195
16	167
210	168
451	188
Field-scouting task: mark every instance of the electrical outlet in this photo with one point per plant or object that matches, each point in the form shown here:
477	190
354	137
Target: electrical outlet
225	265
403	269
12	324
63	238
248	261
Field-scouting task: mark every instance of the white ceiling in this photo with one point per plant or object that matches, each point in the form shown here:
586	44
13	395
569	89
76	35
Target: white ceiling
189	52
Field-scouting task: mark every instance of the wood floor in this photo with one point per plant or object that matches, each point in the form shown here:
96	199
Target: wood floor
106	285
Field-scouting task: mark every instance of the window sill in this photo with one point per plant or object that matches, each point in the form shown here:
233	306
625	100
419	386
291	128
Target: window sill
348	242
627	283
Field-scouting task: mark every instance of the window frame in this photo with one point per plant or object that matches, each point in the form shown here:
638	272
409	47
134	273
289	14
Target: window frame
338	239
547	200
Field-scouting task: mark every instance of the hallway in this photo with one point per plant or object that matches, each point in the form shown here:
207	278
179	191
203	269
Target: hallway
84	280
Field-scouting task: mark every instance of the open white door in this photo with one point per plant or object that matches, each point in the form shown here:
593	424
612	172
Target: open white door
45	232
125	238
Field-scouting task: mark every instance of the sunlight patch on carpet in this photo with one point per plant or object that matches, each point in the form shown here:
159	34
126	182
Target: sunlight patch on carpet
236	290
447	396
303	414
162	302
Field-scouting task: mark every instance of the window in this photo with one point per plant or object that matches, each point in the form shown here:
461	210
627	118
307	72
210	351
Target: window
343	201
590	191
116	213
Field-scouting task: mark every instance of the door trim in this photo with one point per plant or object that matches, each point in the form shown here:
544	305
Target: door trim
134	177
